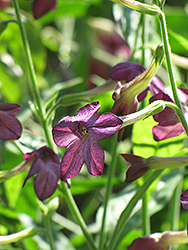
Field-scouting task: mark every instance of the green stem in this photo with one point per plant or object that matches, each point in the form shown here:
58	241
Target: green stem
145	199
175	207
167	51
128	210
145	215
47	221
33	76
75	211
109	187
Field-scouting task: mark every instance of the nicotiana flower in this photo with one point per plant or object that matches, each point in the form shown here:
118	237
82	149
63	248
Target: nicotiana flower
80	134
140	166
159	241
125	72
169	123
46	164
135	79
10	127
41	7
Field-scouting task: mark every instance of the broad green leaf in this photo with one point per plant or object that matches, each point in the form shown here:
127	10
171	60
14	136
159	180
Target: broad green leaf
182	41
144	145
13	188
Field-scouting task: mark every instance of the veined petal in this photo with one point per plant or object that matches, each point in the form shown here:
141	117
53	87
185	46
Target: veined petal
94	158
65	132
87	111
166	132
104	126
72	160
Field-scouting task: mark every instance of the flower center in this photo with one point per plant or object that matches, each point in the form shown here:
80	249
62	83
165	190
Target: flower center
83	131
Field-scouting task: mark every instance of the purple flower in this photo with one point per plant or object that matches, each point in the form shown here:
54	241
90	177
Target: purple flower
127	71
169	123
80	134
184	199
140	166
136	82
10	127
41	7
159	241
46	164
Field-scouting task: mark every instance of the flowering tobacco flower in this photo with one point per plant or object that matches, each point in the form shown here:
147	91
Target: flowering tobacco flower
126	96
127	71
41	7
46	164
10	127
169	124
80	134
140	166
159	241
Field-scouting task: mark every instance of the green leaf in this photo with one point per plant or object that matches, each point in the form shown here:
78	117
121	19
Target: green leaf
182	41
13	188
144	145
75	8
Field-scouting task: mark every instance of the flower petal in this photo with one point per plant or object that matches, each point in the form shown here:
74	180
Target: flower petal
94	157
10	127
10	108
126	71
72	160
65	132
104	126
86	112
46	164
165	132
41	7
45	182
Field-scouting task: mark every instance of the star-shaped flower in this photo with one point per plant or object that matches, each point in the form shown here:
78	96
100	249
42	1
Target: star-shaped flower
10	127
46	164
80	134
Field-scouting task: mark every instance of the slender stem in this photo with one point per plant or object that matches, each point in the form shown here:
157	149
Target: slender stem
167	51
33	76
175	208
145	214
109	187
75	211
47	221
128	210
145	199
